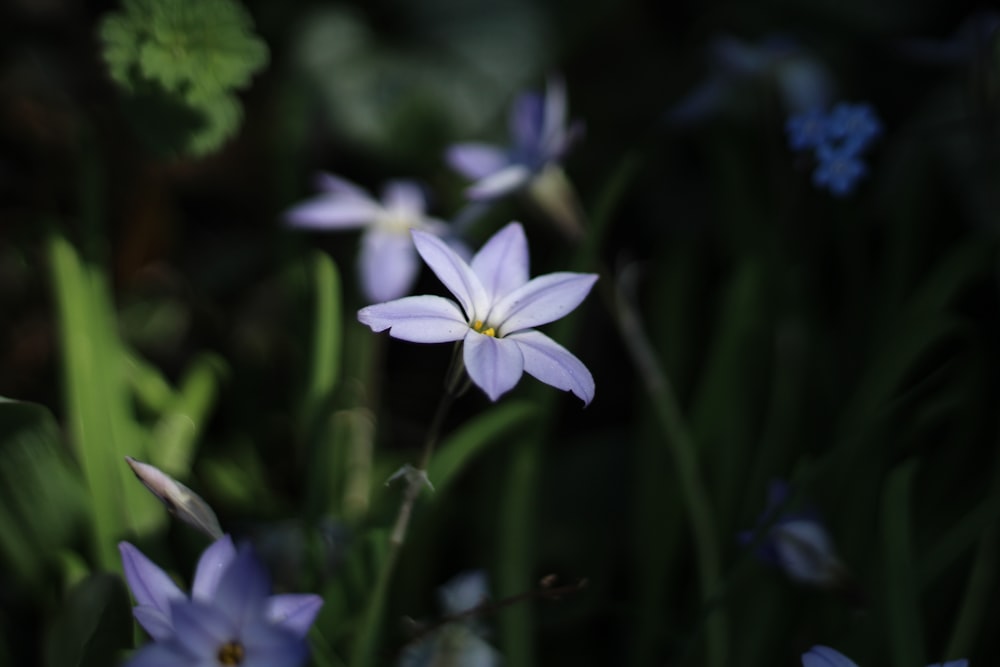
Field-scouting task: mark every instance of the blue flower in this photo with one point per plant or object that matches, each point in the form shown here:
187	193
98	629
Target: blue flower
838	139
853	126
807	129
539	139
824	656
388	263
838	170
796	542
230	618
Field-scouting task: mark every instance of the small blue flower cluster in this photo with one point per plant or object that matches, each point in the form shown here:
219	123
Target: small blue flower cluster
839	138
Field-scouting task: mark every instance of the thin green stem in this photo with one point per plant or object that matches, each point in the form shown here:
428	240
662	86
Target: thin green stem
682	449
364	652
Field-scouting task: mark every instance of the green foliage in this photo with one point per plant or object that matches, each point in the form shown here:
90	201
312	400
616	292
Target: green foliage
90	629
179	62
41	494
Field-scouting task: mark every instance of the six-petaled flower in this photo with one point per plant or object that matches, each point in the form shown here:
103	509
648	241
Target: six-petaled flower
388	264
497	310
230	618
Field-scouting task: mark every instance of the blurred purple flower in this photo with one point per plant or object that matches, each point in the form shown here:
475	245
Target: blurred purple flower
539	138
460	641
803	83
388	263
497	308
973	41
796	542
824	656
230	617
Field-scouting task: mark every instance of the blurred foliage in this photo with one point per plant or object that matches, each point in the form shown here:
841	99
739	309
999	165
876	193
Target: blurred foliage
179	62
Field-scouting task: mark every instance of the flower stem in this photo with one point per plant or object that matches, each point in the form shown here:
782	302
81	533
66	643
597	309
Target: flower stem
682	448
364	650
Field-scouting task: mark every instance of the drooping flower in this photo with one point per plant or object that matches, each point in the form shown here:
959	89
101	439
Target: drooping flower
459	641
796	542
539	136
824	656
388	264
497	310
230	617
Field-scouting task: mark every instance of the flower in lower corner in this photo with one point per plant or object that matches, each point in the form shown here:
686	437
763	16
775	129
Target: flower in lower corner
461	640
497	310
388	264
229	619
824	656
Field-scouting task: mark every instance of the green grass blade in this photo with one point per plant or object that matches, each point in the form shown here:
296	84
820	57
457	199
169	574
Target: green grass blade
902	599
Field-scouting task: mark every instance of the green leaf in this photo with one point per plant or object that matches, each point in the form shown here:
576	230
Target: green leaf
41	495
474	437
180	61
902	611
92	627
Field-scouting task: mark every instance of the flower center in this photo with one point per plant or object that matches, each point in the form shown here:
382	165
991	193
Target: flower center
398	222
488	331
231	653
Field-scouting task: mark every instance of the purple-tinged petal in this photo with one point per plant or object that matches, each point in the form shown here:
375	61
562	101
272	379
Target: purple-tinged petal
824	656
162	654
269	645
526	119
542	300
245	586
464	592
149	584
502	262
404	197
388	265
738	57
203	628
333	212
214	561
456	275
805	552
418	319
550	362
154	621
554	116
336	185
494	364
294	611
500	183
475	160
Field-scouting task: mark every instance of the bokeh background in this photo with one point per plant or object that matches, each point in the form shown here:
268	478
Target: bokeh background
153	303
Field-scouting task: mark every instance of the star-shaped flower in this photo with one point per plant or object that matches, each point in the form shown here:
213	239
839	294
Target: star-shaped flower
539	136
824	656
497	308
388	263
229	619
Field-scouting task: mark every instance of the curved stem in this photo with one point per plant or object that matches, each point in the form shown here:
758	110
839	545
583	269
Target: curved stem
682	448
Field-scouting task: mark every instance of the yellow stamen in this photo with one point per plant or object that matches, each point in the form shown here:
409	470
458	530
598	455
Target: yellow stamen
478	326
231	653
